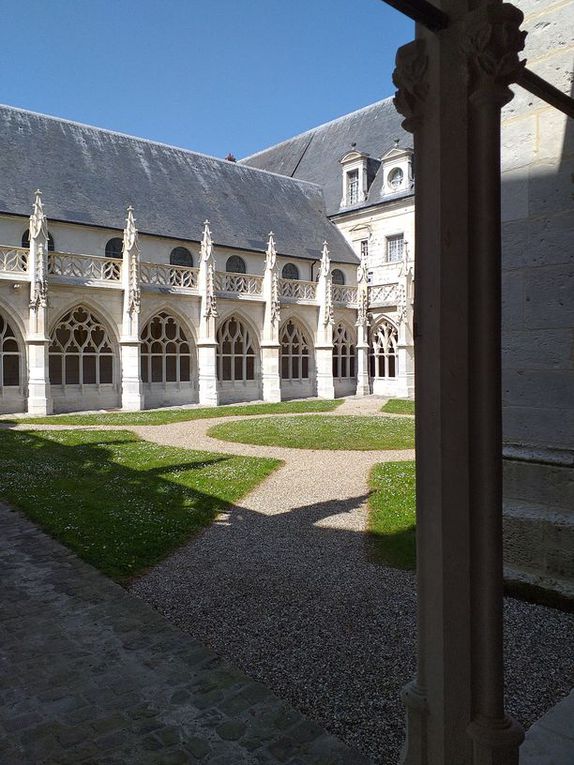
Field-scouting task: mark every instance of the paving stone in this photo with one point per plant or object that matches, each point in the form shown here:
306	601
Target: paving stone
95	676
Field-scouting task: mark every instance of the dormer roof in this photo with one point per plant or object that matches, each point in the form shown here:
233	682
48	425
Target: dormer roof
353	156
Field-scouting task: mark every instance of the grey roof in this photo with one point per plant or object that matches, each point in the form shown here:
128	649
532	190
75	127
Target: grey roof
315	155
88	175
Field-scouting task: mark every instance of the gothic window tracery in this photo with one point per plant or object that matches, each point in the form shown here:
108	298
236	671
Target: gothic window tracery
10	356
181	256
294	353
80	351
165	352
343	353
114	247
26	241
383	350
235	265
290	271
235	352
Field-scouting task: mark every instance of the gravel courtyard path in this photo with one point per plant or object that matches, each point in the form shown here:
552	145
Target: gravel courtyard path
282	586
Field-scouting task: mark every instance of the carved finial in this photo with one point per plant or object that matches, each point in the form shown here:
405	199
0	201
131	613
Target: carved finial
492	43
206	242
38	223
325	260
271	252
130	232
410	78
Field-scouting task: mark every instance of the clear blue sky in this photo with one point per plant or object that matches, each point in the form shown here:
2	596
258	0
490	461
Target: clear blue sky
210	75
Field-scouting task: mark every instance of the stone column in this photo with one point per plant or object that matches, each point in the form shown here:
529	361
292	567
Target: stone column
324	338
405	345
207	342
130	345
270	345
37	340
362	324
455	708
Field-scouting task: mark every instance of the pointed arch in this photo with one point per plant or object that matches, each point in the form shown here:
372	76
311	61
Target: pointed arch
12	354
344	352
383	349
237	350
296	350
82	349
167	350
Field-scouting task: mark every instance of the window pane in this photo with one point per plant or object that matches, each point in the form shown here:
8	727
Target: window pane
171	369
11	370
184	369
226	368
250	367
143	366
295	368
285	367
106	370
239	367
55	366
72	370
305	367
89	364
156	369
392	366
343	367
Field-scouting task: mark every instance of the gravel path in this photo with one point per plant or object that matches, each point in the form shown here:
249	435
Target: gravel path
282	586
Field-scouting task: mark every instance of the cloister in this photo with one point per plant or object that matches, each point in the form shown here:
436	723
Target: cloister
86	332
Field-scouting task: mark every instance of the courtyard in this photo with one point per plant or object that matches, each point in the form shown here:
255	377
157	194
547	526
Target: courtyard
284	564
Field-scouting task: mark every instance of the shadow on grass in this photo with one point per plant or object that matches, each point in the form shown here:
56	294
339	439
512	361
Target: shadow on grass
120	503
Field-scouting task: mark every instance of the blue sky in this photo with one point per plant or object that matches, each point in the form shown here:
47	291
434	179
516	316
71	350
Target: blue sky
210	75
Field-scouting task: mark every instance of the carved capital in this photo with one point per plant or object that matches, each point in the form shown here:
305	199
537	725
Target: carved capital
410	78
492	40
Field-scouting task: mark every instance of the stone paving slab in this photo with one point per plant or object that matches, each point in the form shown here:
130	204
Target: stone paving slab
93	675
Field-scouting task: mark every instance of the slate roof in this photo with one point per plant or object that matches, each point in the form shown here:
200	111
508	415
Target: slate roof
315	155
88	175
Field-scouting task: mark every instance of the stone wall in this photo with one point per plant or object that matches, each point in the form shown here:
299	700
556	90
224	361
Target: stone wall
538	310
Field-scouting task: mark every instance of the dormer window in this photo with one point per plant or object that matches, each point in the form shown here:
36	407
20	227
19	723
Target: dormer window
353	187
395	178
358	172
398	171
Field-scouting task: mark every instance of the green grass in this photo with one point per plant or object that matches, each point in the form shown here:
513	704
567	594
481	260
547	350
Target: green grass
120	503
165	416
392	514
317	432
399	406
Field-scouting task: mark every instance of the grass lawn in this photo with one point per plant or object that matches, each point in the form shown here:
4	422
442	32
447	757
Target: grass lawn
317	432
399	406
392	514
165	416
120	503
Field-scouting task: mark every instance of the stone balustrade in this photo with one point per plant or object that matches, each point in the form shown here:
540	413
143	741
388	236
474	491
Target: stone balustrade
168	276
344	295
384	295
85	268
297	291
13	261
238	284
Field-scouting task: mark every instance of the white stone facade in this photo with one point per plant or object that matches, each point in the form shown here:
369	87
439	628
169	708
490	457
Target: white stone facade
83	330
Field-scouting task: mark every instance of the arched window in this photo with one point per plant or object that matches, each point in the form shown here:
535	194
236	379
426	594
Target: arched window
290	271
114	247
26	240
294	353
9	356
235	265
343	353
235	352
383	351
181	256
338	276
165	352
80	351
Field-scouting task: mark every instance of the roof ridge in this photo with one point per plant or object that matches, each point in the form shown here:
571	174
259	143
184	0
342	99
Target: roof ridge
156	143
316	128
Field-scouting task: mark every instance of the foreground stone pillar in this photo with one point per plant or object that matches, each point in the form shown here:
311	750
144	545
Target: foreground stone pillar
324	338
37	340
405	345
451	88
363	382
270	345
130	346
207	342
